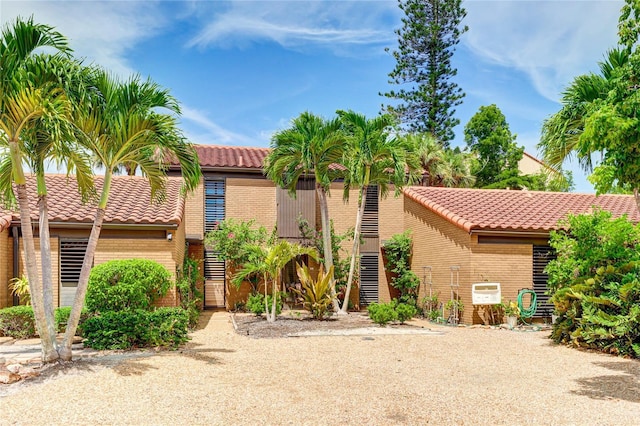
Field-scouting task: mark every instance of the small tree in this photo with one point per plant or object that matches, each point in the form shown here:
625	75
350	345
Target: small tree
268	262
397	252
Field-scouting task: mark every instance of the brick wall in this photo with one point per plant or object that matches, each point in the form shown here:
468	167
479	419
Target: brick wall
6	268
194	213
511	265
439	244
247	199
159	250
55	264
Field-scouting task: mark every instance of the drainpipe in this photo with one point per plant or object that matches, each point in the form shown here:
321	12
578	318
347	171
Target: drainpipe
16	259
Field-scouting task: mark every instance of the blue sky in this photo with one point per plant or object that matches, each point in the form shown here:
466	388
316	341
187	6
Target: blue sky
244	69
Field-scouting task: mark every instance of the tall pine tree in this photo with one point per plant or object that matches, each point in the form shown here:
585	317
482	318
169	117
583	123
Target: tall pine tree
430	31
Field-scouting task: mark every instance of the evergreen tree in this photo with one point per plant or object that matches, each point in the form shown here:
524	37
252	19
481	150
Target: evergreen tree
426	42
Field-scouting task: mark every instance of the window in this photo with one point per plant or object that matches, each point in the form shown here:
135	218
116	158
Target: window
370	216
213	203
542	255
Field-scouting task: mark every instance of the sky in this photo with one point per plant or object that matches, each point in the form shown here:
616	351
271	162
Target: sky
244	69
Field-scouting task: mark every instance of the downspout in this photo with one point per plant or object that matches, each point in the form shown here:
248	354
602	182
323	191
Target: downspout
16	259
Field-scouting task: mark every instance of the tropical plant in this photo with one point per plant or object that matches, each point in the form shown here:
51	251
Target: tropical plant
268	262
19	286
511	309
426	42
442	166
397	254
33	106
126	129
561	132
373	158
594	283
312	146
232	241
404	311
315	293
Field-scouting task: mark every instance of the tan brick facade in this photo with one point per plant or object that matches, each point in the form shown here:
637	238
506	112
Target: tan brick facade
194	214
247	199
6	268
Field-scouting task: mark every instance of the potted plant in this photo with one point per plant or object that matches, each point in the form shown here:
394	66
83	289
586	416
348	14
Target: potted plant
512	313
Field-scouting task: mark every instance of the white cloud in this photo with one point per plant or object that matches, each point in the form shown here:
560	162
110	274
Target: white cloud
338	26
550	41
214	133
101	31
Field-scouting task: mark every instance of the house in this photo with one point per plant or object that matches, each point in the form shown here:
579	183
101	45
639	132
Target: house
134	227
234	186
492	235
462	235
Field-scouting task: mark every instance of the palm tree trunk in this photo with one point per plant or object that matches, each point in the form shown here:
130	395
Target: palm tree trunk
326	242
83	280
49	353
47	271
356	246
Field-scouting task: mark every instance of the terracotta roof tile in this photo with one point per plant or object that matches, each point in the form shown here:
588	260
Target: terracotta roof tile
231	156
129	201
481	209
5	219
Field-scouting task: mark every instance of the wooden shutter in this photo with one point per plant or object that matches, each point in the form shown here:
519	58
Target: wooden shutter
290	209
542	255
368	278
370	216
71	257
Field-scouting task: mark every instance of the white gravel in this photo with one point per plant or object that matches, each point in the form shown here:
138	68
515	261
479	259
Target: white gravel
462	376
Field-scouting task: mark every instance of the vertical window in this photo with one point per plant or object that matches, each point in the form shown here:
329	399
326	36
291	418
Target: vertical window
213	203
370	216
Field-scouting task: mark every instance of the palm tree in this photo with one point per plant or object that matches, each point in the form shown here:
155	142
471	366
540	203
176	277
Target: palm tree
561	132
311	146
269	263
124	129
373	158
442	167
29	101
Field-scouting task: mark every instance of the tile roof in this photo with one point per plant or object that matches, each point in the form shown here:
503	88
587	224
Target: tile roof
502	210
231	156
129	202
5	219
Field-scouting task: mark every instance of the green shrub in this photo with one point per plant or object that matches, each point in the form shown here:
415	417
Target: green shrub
405	311
186	285
164	327
595	283
17	322
255	303
126	284
62	317
382	313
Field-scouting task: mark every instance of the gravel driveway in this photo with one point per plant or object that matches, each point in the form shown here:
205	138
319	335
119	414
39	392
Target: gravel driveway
461	376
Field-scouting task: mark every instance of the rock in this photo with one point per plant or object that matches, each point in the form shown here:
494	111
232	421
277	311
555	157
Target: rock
7	377
22	370
14	368
5	340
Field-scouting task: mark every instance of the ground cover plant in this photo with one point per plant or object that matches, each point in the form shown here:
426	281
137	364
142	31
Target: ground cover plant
595	285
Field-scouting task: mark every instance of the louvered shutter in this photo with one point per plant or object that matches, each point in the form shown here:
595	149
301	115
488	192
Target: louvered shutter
71	257
542	255
368	278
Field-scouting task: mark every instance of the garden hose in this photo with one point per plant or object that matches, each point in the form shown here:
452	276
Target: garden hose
527	312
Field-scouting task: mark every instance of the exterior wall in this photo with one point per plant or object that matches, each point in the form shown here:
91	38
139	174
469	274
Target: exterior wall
159	250
439	244
6	268
247	199
511	265
55	264
194	214
390	222
530	166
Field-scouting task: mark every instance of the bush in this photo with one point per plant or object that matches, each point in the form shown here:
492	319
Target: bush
186	285
255	303
405	311
382	313
126	284
62	317
164	327
17	322
595	283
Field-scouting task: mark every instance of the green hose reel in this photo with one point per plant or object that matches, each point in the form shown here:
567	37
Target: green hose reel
531	310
